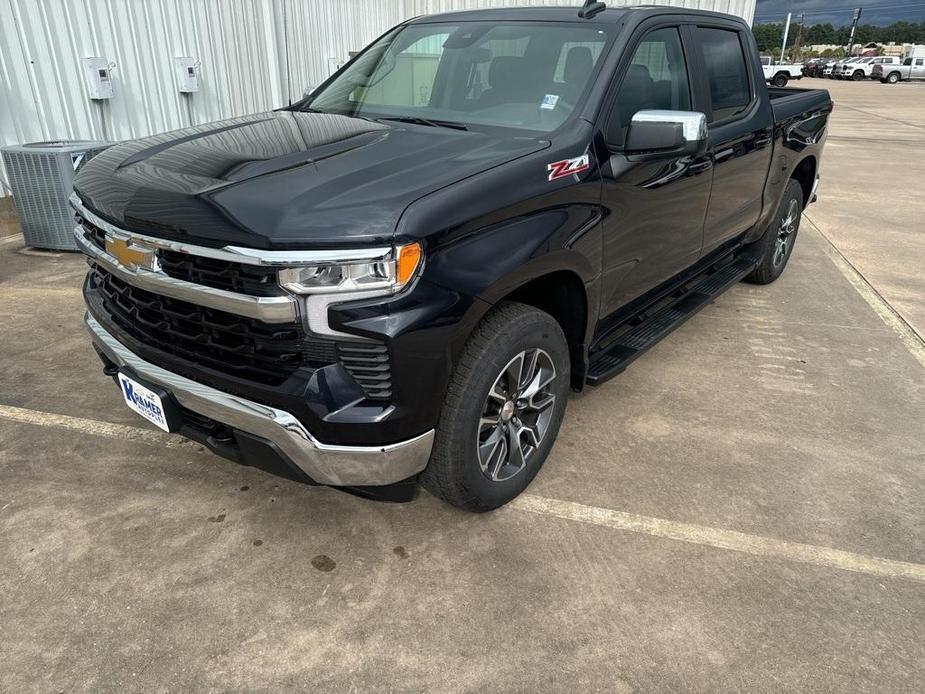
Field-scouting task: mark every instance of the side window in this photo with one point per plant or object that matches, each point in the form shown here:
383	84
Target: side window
655	79
727	72
920	61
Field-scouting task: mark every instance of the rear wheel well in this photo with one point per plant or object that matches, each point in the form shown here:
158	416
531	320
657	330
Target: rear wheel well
805	175
562	295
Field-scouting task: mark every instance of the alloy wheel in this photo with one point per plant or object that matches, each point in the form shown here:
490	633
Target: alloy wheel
516	415
785	232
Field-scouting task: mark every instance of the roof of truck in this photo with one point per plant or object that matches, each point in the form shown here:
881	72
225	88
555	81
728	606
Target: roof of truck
613	14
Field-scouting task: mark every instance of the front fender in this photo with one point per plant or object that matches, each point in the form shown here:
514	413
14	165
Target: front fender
552	240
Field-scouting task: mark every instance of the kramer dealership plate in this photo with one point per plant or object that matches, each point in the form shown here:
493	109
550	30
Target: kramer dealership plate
144	401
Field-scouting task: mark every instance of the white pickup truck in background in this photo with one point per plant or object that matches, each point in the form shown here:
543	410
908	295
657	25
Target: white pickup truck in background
779	74
911	69
863	69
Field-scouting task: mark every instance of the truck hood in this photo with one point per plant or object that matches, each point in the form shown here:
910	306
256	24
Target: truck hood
284	179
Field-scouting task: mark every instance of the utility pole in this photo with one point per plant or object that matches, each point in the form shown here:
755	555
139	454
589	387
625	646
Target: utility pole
854	25
783	46
799	42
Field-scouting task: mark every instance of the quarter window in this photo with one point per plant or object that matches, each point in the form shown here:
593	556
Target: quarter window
727	72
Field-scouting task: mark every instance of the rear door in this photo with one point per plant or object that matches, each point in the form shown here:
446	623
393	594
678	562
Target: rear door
733	96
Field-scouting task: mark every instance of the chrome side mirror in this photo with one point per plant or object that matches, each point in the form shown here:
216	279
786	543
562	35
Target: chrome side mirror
667	133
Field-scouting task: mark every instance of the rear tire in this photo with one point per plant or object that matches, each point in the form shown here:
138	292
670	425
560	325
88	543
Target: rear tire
892	78
495	432
777	243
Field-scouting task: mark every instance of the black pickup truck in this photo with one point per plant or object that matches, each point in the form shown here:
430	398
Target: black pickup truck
399	278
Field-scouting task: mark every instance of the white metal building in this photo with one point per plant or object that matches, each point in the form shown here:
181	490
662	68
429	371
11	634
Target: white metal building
246	55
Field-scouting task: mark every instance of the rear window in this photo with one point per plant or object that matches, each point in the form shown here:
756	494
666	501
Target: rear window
727	72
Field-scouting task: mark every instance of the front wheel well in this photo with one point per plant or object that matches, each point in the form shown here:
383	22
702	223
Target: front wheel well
562	295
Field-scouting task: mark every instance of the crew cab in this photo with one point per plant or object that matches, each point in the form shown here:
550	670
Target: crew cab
778	74
397	279
911	69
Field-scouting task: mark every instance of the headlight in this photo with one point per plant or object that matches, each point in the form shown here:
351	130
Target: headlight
384	275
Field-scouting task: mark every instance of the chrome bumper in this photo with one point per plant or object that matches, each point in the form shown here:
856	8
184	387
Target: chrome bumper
324	463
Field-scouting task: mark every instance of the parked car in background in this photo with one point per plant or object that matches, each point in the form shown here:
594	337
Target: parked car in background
818	69
846	70
866	70
779	74
840	66
863	69
811	66
911	69
830	69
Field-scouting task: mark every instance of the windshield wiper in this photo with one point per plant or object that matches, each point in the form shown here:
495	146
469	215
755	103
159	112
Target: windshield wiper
426	121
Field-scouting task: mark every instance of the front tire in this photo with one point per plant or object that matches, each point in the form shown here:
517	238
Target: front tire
780	80
777	243
503	409
858	75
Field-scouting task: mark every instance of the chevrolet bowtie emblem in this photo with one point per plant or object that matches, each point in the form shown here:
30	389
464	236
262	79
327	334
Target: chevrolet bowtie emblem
131	254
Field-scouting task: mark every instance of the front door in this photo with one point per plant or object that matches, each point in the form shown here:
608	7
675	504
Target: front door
655	209
918	68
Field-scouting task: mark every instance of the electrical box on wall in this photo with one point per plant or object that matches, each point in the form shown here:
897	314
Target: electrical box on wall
187	70
98	74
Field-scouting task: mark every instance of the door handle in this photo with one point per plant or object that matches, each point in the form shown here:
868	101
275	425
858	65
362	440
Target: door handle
763	142
700	167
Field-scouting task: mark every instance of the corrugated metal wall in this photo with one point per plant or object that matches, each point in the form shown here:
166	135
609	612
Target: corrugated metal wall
255	54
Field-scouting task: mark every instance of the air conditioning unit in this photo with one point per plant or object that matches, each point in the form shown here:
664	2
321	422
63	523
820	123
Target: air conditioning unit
41	175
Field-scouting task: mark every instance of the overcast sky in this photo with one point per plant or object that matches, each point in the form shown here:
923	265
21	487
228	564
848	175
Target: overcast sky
838	12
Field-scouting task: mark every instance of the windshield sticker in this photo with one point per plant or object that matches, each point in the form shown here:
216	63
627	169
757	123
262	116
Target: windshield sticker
568	167
550	101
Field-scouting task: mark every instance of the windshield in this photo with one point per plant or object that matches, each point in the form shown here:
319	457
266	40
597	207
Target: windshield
524	75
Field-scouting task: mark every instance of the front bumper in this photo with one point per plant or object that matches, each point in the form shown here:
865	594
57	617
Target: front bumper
323	463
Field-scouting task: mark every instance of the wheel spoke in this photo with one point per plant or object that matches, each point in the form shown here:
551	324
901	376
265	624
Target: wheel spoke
533	439
529	373
496	393
514	372
515	451
540	378
487	423
489	447
498	459
541	403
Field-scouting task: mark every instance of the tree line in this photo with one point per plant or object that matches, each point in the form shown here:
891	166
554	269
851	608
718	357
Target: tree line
769	36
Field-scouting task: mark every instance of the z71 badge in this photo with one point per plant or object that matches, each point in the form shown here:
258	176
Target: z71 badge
567	167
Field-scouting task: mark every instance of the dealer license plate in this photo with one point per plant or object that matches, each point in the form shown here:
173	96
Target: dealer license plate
144	401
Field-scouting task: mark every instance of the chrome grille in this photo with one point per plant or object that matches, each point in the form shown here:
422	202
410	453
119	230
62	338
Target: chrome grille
253	280
240	346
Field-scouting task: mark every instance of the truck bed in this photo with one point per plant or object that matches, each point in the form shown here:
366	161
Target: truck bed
789	102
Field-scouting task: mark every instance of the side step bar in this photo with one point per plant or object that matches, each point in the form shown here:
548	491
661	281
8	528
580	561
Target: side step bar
645	329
